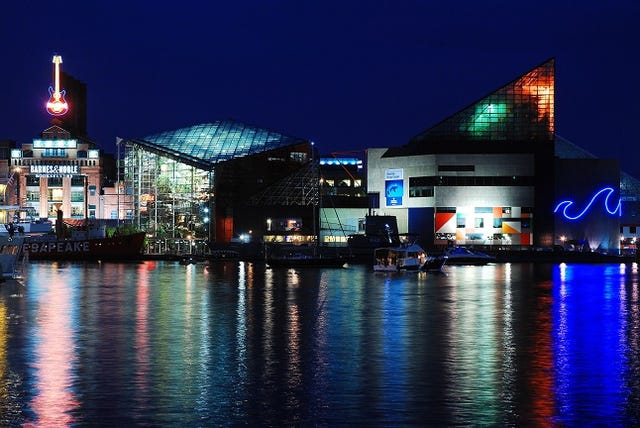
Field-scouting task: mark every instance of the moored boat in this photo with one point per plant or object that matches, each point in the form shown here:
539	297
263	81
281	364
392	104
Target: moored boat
466	256
402	257
302	256
10	252
434	264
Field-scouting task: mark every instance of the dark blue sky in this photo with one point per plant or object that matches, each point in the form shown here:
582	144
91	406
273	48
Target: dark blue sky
344	74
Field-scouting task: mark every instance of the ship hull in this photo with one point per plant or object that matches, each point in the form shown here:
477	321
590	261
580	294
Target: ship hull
122	248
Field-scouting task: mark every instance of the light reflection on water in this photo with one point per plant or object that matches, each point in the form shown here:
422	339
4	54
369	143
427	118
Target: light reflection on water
161	344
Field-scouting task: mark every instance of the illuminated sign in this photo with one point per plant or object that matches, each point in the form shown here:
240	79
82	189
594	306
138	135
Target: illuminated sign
55	144
94	154
57	105
16	153
564	206
393	187
394	174
54	170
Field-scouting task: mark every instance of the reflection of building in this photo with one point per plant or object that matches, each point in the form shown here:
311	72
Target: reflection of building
197	181
495	172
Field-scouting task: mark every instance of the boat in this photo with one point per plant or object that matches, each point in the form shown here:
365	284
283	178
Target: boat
459	255
25	221
302	256
124	247
405	257
10	252
434	264
380	231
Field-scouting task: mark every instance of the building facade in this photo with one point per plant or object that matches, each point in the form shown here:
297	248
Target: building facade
195	182
490	175
57	172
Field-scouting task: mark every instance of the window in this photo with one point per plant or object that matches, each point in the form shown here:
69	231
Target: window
420	187
485	210
451	168
479	222
55	194
77	210
298	156
33	180
54	153
33	195
54	182
77	196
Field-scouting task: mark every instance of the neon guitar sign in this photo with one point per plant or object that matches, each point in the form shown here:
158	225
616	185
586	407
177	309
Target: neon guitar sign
57	105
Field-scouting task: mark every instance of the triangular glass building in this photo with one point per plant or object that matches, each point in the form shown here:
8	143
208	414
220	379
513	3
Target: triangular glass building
482	175
520	111
492	174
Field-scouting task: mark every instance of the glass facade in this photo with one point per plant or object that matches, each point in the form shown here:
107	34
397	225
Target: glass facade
170	175
169	197
522	110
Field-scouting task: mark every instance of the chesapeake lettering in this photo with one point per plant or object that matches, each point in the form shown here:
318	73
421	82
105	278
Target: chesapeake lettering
57	247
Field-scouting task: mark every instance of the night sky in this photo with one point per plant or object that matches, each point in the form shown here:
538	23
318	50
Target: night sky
347	75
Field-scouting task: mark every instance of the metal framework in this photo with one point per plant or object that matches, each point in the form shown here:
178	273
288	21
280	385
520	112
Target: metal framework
300	188
170	175
171	199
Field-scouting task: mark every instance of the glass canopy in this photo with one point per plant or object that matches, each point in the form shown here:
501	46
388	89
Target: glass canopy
209	143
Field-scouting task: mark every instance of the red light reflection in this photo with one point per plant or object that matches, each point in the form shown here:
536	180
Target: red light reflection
54	357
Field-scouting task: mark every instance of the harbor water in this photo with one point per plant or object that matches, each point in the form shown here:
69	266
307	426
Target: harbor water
157	343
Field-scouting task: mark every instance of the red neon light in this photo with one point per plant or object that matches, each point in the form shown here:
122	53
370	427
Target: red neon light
57	105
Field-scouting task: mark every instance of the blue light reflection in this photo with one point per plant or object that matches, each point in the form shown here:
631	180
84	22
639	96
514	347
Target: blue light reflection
589	342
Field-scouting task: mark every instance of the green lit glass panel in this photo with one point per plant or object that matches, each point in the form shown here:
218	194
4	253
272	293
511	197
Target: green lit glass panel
522	110
485	116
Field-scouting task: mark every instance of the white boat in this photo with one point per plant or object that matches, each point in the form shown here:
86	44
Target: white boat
400	258
10	252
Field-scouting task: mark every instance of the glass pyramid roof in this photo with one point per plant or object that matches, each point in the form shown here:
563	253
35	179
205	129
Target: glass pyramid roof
209	143
522	110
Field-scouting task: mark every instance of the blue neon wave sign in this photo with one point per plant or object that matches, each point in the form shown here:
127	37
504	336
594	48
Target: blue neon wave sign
565	205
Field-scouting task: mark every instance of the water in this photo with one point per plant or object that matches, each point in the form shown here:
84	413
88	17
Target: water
161	344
